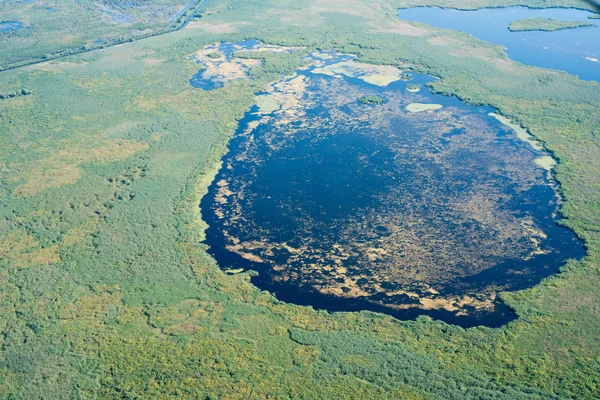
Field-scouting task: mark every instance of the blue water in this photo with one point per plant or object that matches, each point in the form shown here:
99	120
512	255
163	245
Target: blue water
10	26
345	177
201	80
564	50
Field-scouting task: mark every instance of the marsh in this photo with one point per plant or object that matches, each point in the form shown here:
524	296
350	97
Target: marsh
415	204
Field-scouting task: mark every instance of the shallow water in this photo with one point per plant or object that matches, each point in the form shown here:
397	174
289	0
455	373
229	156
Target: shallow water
203	80
572	50
10	26
347	206
218	64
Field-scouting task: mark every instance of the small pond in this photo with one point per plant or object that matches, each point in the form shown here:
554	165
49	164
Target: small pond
9	26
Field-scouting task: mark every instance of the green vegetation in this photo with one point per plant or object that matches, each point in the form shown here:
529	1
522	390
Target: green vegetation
545	24
372	99
215	55
413	88
17	93
60	27
107	291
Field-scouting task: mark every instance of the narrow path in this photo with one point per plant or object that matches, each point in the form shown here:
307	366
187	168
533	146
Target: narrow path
179	21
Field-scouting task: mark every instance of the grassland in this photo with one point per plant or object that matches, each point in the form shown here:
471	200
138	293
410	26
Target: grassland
545	24
108	292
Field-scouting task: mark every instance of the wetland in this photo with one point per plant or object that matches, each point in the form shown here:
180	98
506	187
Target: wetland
346	189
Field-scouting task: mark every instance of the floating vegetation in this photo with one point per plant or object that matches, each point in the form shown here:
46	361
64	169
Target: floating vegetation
267	104
420	107
391	209
546	162
379	75
219	64
521	132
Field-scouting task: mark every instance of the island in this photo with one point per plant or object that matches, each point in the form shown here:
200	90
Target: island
371	99
545	25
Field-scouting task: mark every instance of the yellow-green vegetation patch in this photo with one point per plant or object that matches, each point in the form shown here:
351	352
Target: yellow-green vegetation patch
546	162
62	167
267	104
234	271
420	107
521	132
379	75
380	79
413	88
20	250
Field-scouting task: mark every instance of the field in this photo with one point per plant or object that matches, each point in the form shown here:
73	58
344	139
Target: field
107	290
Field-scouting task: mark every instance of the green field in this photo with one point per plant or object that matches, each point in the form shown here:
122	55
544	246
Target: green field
107	291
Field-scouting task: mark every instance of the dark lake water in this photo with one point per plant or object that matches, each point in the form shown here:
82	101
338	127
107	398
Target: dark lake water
575	51
346	206
10	26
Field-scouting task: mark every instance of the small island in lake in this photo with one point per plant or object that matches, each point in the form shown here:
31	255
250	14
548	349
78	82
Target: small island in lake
545	24
372	99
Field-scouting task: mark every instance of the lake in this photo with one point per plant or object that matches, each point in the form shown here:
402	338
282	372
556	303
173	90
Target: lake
352	187
575	51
